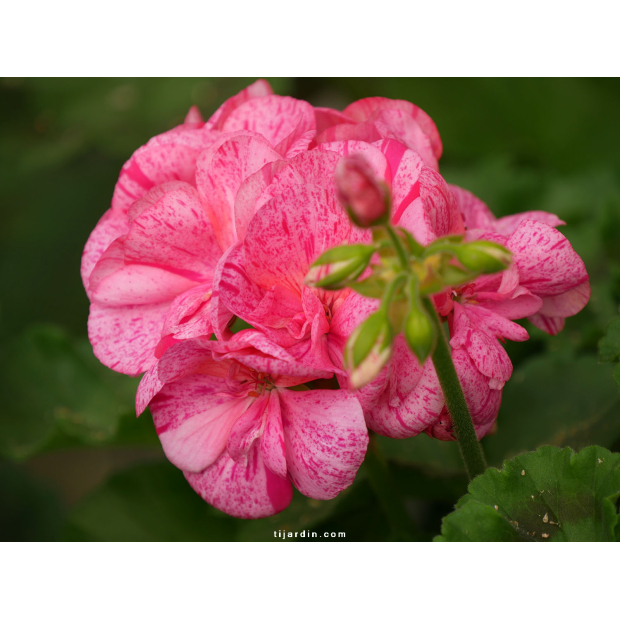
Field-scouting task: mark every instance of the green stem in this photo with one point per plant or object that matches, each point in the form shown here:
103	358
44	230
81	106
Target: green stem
470	447
398	246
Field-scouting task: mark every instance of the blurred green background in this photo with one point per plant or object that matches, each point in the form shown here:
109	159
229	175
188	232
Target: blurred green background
75	464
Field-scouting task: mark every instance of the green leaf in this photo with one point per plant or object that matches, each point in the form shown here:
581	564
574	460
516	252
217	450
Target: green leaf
150	502
553	400
609	345
552	494
55	391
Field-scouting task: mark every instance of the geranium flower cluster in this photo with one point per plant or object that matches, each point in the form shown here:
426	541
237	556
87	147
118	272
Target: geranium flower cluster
219	221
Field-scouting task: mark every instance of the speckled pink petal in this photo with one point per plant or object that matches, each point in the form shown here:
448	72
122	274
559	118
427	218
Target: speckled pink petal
247	428
149	386
273	117
364	109
482	346
272	440
111	260
399	125
507	225
193	418
405	398
325	440
315	167
482	401
170	156
569	303
547	263
555	309
406	168
260	88
249	491
254	349
189	317
360	132
476	214
326	117
140	284
175	234
220	178
111	226
124	339
550	324
290	232
493	323
520	304
193	118
435	213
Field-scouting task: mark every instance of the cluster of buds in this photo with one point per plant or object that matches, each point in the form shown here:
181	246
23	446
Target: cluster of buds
396	269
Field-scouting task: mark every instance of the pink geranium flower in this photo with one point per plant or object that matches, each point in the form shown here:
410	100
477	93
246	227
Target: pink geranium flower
149	263
226	417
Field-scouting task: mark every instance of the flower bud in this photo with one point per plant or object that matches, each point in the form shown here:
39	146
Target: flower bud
483	256
339	266
420	333
368	349
364	197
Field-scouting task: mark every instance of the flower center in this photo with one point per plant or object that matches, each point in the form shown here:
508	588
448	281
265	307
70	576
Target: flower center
262	382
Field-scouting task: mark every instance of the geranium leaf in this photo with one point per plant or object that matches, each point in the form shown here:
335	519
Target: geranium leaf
552	494
552	400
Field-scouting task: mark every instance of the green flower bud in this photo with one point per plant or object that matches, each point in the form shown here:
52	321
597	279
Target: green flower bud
483	256
339	266
420	333
368	349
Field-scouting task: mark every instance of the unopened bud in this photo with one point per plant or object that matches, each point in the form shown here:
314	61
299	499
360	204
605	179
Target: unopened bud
420	333
483	256
339	266
364	197
368	349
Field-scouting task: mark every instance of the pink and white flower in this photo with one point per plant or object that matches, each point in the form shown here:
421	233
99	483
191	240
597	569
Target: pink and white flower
226	417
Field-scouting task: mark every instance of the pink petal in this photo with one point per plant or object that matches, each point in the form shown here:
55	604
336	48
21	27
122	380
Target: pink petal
111	260
247	429
272	117
326	117
487	354
111	226
260	88
272	440
435	213
175	234
475	213
405	398
547	263
124	339
325	439
257	351
569	303
194	118
189	316
402	127
140	284
507	225
220	175
150	385
364	109
302	223
193	418
170	156
550	324
246	491
482	401
152	197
